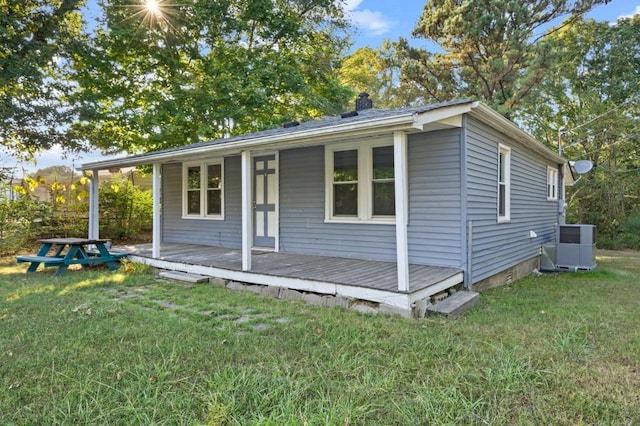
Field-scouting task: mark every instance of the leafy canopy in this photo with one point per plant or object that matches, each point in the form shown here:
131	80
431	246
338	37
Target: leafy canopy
193	71
494	50
37	39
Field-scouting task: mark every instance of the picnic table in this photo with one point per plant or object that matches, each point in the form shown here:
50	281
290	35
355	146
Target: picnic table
63	252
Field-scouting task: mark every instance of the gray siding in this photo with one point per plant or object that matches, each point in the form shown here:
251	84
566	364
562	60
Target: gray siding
498	246
434	199
302	226
220	233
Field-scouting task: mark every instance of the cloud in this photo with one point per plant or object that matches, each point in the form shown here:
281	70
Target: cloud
631	15
372	23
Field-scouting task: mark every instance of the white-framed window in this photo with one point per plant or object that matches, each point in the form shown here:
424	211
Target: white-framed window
360	182
552	183
504	183
202	188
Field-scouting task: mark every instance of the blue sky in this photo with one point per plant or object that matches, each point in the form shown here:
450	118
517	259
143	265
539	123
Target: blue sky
374	21
377	20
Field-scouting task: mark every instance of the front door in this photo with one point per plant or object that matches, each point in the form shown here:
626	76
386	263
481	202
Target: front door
265	194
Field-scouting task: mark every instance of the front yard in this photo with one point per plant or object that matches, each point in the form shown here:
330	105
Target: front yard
129	348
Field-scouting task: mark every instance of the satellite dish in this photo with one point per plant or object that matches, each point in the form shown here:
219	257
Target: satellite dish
582	166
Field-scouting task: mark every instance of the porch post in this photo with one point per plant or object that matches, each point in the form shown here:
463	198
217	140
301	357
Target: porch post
402	207
247	216
94	215
156	195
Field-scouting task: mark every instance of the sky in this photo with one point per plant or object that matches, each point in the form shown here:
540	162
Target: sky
374	21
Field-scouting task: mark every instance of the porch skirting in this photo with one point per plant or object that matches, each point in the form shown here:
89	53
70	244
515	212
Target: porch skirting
371	281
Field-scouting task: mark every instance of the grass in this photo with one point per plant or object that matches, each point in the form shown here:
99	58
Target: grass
95	347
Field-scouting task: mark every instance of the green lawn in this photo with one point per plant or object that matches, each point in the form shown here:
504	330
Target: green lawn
128	348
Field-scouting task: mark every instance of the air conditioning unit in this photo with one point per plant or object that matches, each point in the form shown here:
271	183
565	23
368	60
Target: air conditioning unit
576	247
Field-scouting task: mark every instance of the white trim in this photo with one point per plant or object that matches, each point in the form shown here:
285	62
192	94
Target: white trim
94	213
364	148
204	170
552	181
402	213
311	136
505	151
157	224
276	247
247	208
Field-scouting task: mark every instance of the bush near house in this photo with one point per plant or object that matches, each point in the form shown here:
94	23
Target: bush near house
26	216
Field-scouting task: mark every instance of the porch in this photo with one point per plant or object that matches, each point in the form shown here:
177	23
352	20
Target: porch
359	279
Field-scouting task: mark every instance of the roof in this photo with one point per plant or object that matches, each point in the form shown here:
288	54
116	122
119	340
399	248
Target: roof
316	130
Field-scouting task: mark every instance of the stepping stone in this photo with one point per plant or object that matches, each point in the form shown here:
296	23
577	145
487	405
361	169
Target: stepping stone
455	304
184	276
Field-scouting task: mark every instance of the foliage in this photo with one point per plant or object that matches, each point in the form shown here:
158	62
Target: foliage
37	40
201	70
592	97
377	72
125	210
20	214
495	51
114	348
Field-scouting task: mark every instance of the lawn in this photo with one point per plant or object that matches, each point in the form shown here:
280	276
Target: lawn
95	347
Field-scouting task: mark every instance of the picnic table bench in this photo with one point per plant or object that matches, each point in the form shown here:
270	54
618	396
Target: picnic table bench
71	251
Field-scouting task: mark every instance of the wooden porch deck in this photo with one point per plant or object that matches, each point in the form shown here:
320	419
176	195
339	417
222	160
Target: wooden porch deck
282	269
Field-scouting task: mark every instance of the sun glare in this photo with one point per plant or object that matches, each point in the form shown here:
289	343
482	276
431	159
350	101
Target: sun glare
153	7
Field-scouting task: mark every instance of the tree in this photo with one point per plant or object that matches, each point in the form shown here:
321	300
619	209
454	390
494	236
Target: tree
493	50
194	71
377	72
590	100
37	39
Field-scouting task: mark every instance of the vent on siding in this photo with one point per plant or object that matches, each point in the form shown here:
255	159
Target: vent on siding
289	124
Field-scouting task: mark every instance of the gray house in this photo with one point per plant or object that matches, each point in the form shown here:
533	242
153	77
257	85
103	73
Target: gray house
388	206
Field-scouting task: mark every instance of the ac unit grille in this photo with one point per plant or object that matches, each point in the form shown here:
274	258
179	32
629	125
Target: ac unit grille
570	234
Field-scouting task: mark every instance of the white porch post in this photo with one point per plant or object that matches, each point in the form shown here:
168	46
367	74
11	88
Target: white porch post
94	214
156	191
247	210
402	207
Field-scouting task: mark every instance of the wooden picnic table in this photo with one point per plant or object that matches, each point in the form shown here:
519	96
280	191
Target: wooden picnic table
63	252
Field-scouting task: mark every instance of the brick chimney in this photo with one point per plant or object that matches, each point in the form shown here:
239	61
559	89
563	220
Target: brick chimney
363	102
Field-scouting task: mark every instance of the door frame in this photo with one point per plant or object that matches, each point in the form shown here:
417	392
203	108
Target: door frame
276	245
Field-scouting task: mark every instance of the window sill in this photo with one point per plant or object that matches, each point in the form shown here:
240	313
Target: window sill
552	199
504	220
203	217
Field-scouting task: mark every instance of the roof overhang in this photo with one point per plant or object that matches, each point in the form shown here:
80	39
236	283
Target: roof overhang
503	125
439	118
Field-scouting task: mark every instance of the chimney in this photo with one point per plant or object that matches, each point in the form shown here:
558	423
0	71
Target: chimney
363	102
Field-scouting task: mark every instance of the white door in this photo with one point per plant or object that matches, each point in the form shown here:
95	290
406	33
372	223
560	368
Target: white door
265	194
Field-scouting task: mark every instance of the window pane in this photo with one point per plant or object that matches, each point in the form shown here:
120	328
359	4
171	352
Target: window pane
214	204
384	199
501	200
345	199
214	175
193	177
345	166
383	162
193	202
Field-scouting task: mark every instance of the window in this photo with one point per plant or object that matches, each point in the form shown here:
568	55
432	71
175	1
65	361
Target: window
552	183
345	183
384	193
360	182
504	184
202	190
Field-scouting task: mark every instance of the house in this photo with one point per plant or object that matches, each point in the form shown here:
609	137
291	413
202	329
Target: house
388	206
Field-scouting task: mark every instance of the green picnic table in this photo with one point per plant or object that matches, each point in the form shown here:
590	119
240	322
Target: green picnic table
63	252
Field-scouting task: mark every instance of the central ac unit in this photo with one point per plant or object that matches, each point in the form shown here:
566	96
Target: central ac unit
576	247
